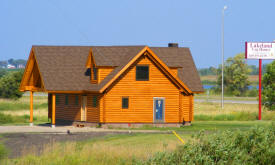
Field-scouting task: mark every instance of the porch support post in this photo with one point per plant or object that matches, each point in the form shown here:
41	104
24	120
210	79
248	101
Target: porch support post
31	108
53	110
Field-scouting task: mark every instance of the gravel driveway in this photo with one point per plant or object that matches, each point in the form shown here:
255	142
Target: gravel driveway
21	140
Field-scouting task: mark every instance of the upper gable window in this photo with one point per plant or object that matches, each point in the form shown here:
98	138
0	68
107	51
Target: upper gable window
142	73
95	73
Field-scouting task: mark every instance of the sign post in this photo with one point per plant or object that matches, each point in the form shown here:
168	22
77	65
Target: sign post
260	51
260	89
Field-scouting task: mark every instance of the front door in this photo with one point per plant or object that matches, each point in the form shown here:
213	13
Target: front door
158	109
83	108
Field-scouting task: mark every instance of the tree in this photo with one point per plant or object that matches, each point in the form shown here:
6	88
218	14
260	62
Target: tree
11	61
235	76
213	70
208	71
269	87
9	85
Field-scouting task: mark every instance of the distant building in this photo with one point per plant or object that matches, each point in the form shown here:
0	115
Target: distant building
20	66
11	66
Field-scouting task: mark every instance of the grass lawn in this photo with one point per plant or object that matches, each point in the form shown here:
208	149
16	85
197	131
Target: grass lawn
17	111
40	102
204	96
231	112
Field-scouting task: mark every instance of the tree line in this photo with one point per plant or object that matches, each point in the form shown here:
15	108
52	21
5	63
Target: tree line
253	70
14	62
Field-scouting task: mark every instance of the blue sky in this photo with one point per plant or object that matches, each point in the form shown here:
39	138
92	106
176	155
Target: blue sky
195	24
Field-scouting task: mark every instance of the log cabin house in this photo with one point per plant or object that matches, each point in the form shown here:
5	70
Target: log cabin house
117	85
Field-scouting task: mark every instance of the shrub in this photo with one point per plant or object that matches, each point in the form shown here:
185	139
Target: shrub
252	92
9	85
256	146
269	87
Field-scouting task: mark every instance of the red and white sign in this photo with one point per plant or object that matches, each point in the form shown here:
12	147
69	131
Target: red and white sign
260	50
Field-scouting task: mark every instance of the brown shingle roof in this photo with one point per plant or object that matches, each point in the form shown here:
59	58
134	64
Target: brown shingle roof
63	67
114	55
182	58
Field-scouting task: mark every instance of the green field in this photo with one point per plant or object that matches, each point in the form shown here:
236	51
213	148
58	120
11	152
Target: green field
206	97
254	79
17	111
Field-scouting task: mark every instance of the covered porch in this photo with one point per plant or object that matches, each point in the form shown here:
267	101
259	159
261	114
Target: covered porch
51	108
32	82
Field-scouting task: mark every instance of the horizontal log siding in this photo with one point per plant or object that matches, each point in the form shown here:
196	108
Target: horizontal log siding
70	111
104	72
180	107
93	113
191	117
101	108
187	108
141	95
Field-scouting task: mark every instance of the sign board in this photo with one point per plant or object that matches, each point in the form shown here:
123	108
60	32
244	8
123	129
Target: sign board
260	50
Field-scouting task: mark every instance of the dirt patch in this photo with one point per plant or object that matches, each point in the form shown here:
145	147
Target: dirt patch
20	144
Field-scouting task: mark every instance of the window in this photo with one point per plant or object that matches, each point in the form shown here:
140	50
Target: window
94	73
125	102
57	99
94	101
76	100
142	73
66	99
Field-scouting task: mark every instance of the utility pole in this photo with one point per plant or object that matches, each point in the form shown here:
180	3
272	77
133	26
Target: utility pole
224	8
